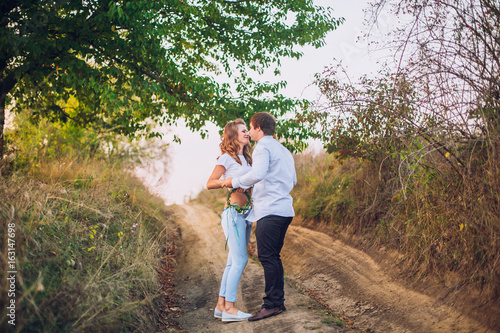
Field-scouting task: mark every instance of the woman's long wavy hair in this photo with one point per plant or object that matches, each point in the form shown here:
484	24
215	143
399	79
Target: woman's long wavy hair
230	145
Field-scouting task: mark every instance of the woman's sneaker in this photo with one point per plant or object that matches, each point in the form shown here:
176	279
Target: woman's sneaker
239	317
217	314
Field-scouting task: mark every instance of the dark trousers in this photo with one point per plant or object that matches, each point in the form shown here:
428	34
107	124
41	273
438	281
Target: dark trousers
270	233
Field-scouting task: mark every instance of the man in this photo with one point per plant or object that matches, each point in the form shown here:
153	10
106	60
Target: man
273	177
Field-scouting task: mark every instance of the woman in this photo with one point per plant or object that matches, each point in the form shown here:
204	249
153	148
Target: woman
236	160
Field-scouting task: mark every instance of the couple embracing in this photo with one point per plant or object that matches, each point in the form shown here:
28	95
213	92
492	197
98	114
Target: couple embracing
260	185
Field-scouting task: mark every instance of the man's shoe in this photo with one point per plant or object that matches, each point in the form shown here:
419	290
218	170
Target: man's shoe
265	313
239	317
282	307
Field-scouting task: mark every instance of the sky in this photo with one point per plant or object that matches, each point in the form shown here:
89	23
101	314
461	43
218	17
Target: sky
184	171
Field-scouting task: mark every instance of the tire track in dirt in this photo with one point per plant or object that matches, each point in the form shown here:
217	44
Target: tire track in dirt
354	285
346	279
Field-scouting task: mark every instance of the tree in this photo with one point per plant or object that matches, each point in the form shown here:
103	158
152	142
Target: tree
447	53
127	62
450	50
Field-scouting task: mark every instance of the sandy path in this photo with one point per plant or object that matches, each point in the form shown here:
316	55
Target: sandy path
352	284
201	261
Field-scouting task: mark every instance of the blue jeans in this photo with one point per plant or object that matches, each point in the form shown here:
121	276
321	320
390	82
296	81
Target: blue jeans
237	231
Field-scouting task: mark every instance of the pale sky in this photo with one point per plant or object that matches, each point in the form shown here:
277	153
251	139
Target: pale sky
191	162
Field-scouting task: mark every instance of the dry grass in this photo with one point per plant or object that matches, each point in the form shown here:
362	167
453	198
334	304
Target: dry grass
446	225
88	241
213	199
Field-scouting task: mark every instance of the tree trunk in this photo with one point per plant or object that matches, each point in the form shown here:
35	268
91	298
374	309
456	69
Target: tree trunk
6	84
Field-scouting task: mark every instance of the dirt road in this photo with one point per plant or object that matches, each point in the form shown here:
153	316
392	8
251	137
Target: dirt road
347	280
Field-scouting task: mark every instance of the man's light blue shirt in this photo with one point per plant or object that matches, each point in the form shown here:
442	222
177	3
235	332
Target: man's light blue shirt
272	177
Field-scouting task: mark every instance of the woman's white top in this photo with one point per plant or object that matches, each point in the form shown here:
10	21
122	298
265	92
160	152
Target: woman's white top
233	168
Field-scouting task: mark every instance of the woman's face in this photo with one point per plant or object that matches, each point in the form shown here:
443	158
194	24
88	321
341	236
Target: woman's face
243	134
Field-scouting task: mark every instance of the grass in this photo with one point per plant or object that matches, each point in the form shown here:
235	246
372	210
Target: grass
329	320
213	199
89	239
445	227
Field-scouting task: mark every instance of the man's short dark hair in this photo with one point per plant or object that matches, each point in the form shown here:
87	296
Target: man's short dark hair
265	121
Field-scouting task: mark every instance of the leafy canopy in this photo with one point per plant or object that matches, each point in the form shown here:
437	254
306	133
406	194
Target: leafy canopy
129	61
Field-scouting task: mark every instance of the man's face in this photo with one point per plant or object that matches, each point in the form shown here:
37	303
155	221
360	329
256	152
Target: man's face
253	133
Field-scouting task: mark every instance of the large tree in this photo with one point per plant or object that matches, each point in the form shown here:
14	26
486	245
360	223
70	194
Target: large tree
127	62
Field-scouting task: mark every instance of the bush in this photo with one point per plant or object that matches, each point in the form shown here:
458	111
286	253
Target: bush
440	224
